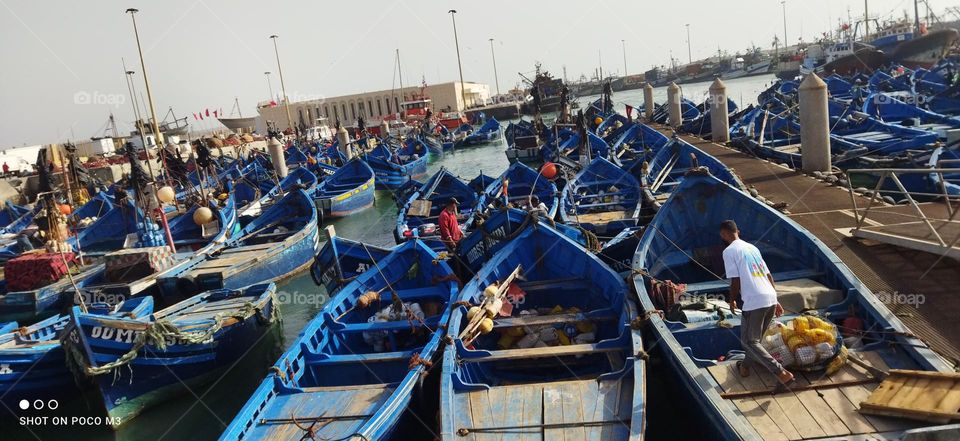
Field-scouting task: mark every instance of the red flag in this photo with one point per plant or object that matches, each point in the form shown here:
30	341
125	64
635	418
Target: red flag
195	117
201	116
208	112
215	114
629	111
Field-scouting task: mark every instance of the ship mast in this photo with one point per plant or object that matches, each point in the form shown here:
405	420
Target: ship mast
916	19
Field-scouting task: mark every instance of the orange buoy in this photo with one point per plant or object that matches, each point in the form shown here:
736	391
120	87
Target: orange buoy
66	209
549	170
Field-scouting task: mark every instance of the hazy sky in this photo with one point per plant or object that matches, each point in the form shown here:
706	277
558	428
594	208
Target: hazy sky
62	72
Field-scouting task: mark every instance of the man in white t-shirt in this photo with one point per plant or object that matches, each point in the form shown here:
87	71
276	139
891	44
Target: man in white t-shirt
751	283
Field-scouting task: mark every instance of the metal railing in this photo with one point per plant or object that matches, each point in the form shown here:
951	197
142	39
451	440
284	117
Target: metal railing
943	246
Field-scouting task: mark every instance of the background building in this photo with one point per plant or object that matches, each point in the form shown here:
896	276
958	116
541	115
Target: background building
373	106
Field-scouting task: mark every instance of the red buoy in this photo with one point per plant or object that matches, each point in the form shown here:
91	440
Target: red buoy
549	170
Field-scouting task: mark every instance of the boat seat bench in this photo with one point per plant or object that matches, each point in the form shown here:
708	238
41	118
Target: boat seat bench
715	285
545	352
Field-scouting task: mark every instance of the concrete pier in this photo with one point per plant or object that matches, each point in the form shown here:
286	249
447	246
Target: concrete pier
673	105
719	114
814	125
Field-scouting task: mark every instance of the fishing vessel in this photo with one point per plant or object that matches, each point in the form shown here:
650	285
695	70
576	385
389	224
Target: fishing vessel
603	198
543	348
700	344
518	183
419	217
278	243
348	190
137	363
395	165
341	260
356	366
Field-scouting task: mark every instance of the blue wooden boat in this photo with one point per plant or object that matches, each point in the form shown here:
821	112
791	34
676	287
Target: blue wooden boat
888	108
877	137
618	251
688	111
14	218
393	166
189	239
480	183
252	196
602	198
522	182
107	234
438	142
277	244
630	137
347	191
567	145
6	327
351	375
523	143
498	228
34	362
497	385
682	245
137	363
671	164
341	260
97	206
486	133
415	223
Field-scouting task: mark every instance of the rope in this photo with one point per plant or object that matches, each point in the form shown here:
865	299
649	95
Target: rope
156	335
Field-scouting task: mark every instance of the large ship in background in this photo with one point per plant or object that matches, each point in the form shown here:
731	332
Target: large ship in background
544	91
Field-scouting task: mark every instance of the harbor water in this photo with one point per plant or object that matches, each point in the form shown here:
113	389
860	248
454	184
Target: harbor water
203	413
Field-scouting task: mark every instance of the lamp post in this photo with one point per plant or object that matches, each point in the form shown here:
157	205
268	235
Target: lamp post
283	88
456	42
783	3
689	52
146	82
496	80
623	44
269	85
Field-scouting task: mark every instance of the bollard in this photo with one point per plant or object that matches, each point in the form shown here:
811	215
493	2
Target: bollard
384	129
648	101
275	147
719	114
814	125
673	105
343	143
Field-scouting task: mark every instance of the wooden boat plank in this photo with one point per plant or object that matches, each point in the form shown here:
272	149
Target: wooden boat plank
601	217
482	416
570	400
464	418
857	394
847	411
553	411
497	402
780	416
532	396
608	395
552	351
726	374
361	402
589	395
512	413
624	412
911	390
832	424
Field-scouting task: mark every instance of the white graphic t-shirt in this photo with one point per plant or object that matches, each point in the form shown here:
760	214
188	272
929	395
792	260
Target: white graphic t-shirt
743	260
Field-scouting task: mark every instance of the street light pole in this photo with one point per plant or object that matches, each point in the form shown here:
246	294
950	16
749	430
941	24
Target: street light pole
495	78
146	82
269	85
623	44
689	52
783	3
456	42
283	88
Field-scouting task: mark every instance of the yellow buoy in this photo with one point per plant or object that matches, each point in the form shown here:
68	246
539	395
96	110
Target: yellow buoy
202	216
597	120
486	325
166	194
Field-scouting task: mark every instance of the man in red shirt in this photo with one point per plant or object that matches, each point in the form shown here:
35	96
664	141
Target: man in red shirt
450	232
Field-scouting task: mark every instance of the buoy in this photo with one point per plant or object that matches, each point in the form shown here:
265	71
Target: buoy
490	291
202	216
549	170
597	120
472	312
166	194
66	209
486	325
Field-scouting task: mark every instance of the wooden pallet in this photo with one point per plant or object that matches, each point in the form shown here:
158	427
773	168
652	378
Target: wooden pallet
919	395
420	208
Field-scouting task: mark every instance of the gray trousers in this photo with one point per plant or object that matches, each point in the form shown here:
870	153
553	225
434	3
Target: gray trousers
752	326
